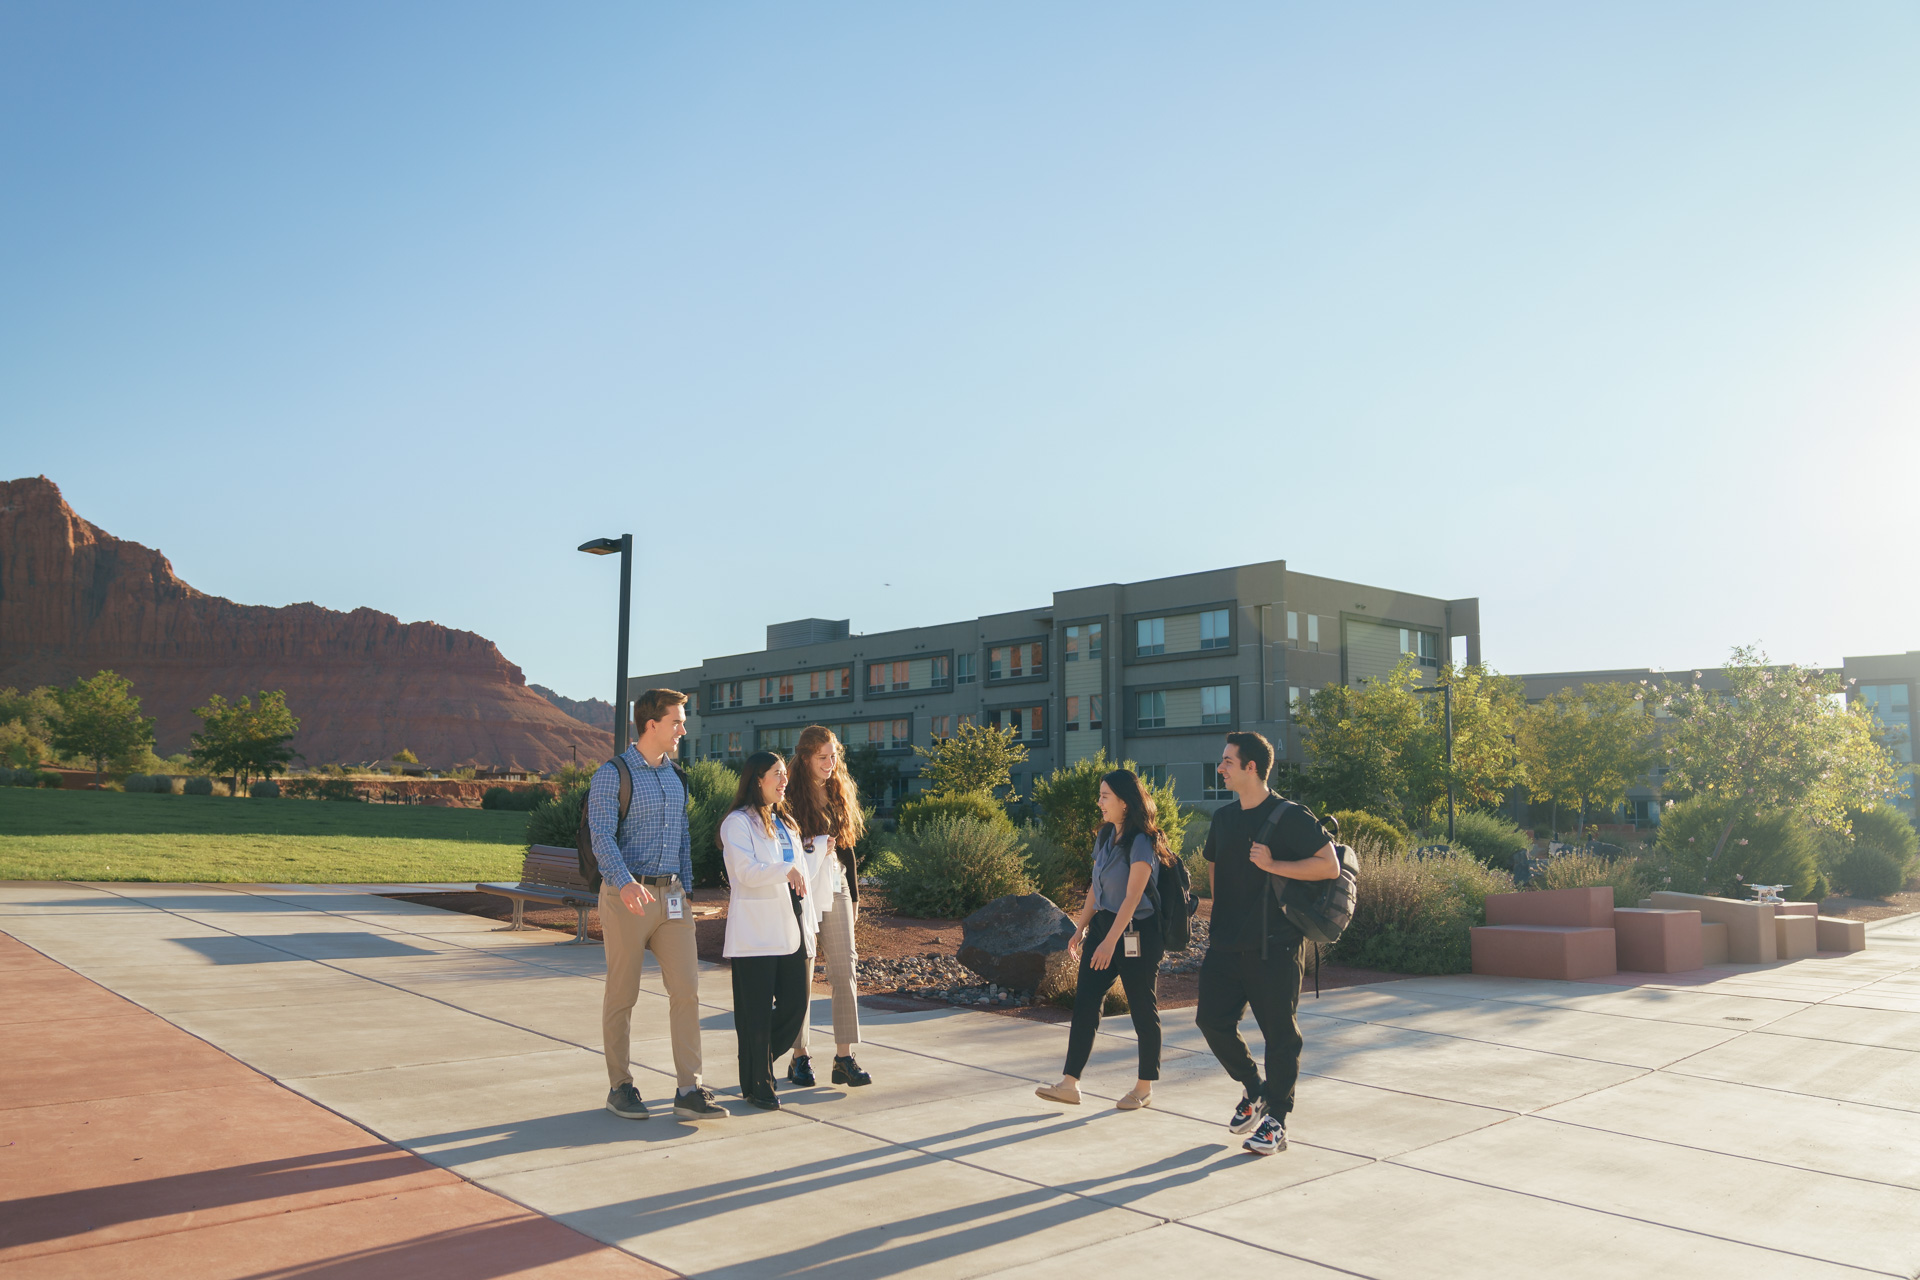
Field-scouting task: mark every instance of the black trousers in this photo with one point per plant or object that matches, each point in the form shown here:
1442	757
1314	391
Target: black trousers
1136	974
769	1007
1230	981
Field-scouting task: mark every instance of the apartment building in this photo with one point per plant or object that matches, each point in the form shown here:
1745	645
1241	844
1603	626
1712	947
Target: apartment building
1151	671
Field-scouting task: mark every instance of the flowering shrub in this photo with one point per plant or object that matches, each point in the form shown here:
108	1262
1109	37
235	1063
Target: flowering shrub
1767	847
1412	916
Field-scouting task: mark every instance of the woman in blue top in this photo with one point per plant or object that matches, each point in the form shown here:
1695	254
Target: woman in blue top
1122	935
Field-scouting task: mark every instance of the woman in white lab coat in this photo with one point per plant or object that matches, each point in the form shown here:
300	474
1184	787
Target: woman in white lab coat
770	923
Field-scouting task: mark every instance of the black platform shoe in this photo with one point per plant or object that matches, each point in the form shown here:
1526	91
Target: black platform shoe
800	1071
846	1071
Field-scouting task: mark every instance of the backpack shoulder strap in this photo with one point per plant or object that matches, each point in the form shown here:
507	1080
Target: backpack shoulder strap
626	789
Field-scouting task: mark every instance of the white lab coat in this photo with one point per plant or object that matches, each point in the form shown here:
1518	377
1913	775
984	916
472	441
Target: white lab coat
760	917
823	867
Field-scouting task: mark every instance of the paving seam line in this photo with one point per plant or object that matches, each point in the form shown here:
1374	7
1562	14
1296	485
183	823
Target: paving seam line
1858	1044
1649	1222
1714	1151
1799	1093
1550	1053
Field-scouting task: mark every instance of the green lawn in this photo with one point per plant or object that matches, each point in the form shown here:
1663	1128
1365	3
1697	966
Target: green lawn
107	835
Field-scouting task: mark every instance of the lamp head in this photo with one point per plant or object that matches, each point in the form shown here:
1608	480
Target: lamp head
601	546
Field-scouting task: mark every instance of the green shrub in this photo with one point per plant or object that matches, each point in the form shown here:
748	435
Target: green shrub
881	862
163	784
1628	879
1764	848
1412	916
515	799
1372	836
953	866
197	786
1879	858
1068	803
30	778
1059	873
556	820
1490	838
136	784
264	789
872	839
921	811
710	788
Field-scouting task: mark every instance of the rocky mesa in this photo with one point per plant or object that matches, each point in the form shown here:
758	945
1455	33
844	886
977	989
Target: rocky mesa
74	599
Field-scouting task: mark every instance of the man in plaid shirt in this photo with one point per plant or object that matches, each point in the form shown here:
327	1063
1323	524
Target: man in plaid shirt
646	866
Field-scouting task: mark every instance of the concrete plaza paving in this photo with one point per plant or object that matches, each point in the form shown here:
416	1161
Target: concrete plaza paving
1744	1120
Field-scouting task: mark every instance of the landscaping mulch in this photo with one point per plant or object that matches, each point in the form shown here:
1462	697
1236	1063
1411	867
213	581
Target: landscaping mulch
1898	904
906	962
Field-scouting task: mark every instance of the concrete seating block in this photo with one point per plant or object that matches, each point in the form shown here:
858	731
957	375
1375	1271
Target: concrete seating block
1835	934
1796	909
1571	908
1750	936
1713	942
1795	937
1653	941
1644	903
1543	951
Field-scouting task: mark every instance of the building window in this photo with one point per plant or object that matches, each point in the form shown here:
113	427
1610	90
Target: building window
1073	708
888	734
726	695
1313	630
1216	704
1213	629
1150	637
941	727
1083	641
1423	645
1293	627
1212	785
1293	702
724	746
1151	712
942	672
964	668
966	718
1011	662
1153	775
1096	710
779	739
830	684
1028	723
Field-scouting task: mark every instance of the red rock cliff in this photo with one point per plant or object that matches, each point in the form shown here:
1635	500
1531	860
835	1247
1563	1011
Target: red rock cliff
75	599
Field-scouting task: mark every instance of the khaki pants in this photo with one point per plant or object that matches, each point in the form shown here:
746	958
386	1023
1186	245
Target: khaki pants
836	944
628	938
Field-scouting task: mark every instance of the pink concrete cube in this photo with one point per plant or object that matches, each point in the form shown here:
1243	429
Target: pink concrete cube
1569	908
1836	934
1651	941
1796	909
1713	942
1543	951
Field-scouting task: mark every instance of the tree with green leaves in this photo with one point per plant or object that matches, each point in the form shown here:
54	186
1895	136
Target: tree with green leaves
977	758
1358	744
872	772
1584	748
1068	800
26	719
1778	738
99	720
404	756
1486	708
245	740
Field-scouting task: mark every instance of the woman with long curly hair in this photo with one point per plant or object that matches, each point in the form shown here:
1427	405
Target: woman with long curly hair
826	806
1122	936
768	922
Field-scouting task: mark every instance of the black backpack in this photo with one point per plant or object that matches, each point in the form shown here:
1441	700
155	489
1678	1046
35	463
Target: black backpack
1171	889
1320	909
583	838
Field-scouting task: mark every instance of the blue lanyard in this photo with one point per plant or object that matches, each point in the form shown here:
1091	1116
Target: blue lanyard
786	841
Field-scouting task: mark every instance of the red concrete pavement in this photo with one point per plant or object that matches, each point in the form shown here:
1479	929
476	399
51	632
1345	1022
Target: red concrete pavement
128	1147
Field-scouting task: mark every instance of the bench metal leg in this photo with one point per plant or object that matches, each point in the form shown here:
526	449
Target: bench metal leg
519	914
580	932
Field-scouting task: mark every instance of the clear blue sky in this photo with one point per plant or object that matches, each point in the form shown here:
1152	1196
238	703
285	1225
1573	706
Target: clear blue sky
1607	314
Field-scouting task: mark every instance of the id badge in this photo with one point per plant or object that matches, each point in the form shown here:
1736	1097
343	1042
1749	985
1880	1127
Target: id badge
675	905
1130	943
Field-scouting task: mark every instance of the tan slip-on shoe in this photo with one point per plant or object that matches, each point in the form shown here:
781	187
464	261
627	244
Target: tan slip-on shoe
1061	1092
1133	1100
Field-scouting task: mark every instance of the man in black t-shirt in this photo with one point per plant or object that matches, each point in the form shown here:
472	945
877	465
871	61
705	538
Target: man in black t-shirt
1253	951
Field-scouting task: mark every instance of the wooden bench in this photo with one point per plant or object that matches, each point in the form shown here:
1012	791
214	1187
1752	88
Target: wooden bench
550	874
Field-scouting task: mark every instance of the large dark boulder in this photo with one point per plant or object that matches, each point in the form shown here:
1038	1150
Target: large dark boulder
1020	942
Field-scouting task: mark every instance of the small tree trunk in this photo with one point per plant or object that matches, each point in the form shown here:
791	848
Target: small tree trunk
99	762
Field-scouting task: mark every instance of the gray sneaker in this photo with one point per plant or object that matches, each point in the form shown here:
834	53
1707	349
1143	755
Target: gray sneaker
625	1102
698	1104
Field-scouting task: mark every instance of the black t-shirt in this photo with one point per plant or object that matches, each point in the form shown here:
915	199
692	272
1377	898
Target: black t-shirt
1239	887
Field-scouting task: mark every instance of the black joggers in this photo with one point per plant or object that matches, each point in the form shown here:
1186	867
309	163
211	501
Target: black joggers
1230	981
769	1007
1136	975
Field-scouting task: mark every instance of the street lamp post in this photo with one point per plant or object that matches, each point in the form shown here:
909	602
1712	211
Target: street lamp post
1446	693
606	547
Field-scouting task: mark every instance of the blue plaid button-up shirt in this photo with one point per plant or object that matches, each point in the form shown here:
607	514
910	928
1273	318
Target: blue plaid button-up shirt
656	841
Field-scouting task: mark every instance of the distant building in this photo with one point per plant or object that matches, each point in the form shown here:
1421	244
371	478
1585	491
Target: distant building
1151	671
